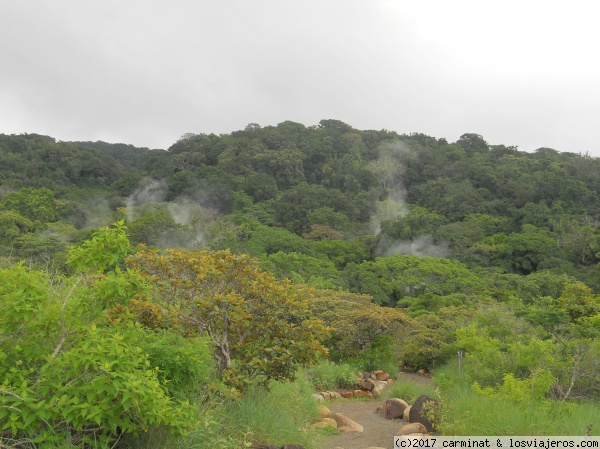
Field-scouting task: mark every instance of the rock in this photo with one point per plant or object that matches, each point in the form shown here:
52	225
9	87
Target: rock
406	413
421	371
359	393
381	384
330	421
347	394
424	406
377	372
326	395
346	424
335	395
394	408
378	389
389	381
367	386
319	397
325	422
324	411
366	375
380	375
407	429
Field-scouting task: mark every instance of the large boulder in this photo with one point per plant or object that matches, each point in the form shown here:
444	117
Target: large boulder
424	411
394	408
406	414
346	424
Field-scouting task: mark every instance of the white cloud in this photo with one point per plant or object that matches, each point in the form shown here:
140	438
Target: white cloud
145	72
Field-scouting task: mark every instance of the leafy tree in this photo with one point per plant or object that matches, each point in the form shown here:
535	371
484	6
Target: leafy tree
37	205
419	221
259	326
356	323
391	279
303	269
343	252
292	208
260	186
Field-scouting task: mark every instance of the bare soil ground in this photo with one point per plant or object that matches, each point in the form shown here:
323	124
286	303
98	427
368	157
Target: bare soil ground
378	431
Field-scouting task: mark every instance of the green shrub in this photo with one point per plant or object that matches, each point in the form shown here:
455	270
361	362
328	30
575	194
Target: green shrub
327	375
184	365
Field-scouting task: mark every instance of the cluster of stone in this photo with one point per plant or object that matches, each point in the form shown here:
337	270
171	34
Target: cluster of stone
418	415
367	384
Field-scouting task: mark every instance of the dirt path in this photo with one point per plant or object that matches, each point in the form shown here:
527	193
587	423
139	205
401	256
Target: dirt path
379	432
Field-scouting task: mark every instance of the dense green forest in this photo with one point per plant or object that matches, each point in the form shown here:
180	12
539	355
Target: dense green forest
366	248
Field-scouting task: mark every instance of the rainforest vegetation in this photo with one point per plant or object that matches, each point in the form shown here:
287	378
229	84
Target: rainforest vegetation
158	292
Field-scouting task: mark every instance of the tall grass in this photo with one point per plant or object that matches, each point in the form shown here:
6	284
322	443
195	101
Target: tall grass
467	413
409	391
276	416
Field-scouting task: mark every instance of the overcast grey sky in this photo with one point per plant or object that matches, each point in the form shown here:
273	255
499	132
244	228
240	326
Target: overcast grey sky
518	72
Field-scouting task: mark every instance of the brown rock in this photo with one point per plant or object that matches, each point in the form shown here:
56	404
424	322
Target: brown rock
408	429
335	395
359	393
326	395
389	381
367	386
406	413
394	408
324	411
381	375
346	424
347	394
421	410
379	386
325	422
330	421
377	372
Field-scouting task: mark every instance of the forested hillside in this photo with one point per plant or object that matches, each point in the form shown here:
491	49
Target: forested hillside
377	249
